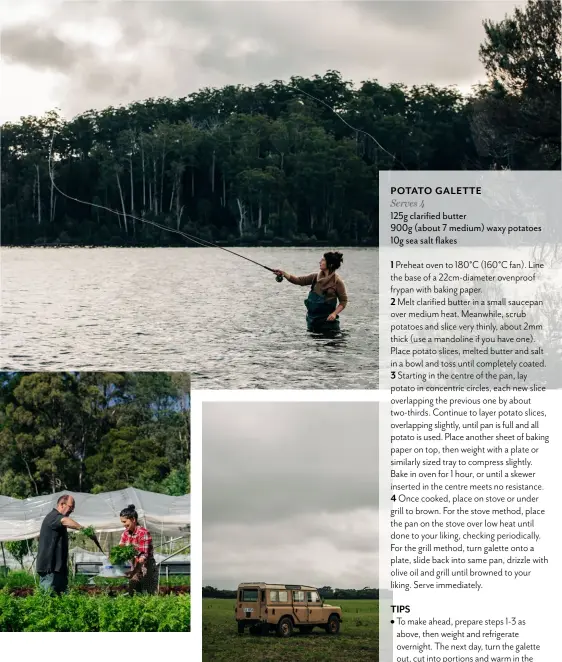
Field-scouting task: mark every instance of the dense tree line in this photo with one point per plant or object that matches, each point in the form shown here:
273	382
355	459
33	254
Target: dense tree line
93	432
367	593
274	163
326	592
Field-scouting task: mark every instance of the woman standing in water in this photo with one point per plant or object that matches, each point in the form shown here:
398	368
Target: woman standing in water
327	297
144	575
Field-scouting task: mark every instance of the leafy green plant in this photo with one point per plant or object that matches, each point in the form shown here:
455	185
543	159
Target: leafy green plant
121	554
19	579
74	612
175	580
109	581
79	580
88	531
9	612
19	549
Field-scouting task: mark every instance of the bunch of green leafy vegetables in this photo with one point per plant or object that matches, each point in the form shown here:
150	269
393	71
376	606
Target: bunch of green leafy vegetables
88	531
122	554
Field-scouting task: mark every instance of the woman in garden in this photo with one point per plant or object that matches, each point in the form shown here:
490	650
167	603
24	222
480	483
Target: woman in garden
144	575
327	297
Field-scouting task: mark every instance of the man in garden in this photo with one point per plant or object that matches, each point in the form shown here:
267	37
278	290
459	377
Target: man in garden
52	557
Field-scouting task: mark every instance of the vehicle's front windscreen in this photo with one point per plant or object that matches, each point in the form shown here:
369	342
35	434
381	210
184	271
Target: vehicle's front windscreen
250	595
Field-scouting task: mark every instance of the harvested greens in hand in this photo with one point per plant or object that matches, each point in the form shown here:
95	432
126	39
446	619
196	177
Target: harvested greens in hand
121	554
88	531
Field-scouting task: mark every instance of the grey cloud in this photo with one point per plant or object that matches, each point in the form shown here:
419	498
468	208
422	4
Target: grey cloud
39	48
179	47
286	484
320	455
286	552
99	81
247	504
95	76
432	15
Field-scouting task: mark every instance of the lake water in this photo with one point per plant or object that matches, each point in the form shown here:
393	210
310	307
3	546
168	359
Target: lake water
201	310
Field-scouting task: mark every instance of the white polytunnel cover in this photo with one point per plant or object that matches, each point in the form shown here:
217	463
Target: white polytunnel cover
159	513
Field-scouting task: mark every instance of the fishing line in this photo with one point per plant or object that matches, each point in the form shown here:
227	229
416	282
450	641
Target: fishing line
353	128
196	240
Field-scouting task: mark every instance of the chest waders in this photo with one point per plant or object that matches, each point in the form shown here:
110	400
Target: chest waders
318	309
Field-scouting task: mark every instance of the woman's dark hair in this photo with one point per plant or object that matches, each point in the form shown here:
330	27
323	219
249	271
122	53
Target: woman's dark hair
333	260
129	512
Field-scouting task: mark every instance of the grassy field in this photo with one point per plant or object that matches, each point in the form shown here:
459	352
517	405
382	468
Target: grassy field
358	639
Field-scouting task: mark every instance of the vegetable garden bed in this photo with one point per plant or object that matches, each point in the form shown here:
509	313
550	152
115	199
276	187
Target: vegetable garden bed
114	590
101	590
82	612
103	607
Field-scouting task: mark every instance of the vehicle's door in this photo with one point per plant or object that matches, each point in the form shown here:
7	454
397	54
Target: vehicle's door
279	605
314	607
300	610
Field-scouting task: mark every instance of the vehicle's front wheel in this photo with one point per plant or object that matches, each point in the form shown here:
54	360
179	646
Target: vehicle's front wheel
333	626
240	628
285	627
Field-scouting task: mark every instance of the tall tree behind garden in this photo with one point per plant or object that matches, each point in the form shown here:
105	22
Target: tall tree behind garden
92	432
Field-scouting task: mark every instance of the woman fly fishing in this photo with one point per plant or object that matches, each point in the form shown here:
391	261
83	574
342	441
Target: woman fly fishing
144	575
327	297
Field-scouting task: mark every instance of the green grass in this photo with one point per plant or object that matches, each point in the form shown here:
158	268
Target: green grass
358	639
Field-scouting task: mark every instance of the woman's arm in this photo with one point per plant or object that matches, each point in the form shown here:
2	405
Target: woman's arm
144	543
136	570
342	294
342	299
297	280
336	312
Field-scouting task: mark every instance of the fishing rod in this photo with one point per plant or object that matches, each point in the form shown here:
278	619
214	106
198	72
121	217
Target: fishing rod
197	240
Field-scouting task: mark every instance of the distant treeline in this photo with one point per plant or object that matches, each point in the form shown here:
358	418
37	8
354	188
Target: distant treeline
326	592
272	164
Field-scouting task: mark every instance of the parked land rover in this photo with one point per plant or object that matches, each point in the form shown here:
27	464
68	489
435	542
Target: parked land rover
283	607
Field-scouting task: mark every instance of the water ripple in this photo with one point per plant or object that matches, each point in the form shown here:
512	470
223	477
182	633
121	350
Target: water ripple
226	321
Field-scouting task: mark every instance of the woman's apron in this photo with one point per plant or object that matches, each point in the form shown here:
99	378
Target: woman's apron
318	309
145	580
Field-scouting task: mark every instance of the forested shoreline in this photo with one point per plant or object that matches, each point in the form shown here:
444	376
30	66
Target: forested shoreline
270	164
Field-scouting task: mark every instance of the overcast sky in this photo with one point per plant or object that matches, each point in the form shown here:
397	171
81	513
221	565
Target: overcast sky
290	493
79	55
